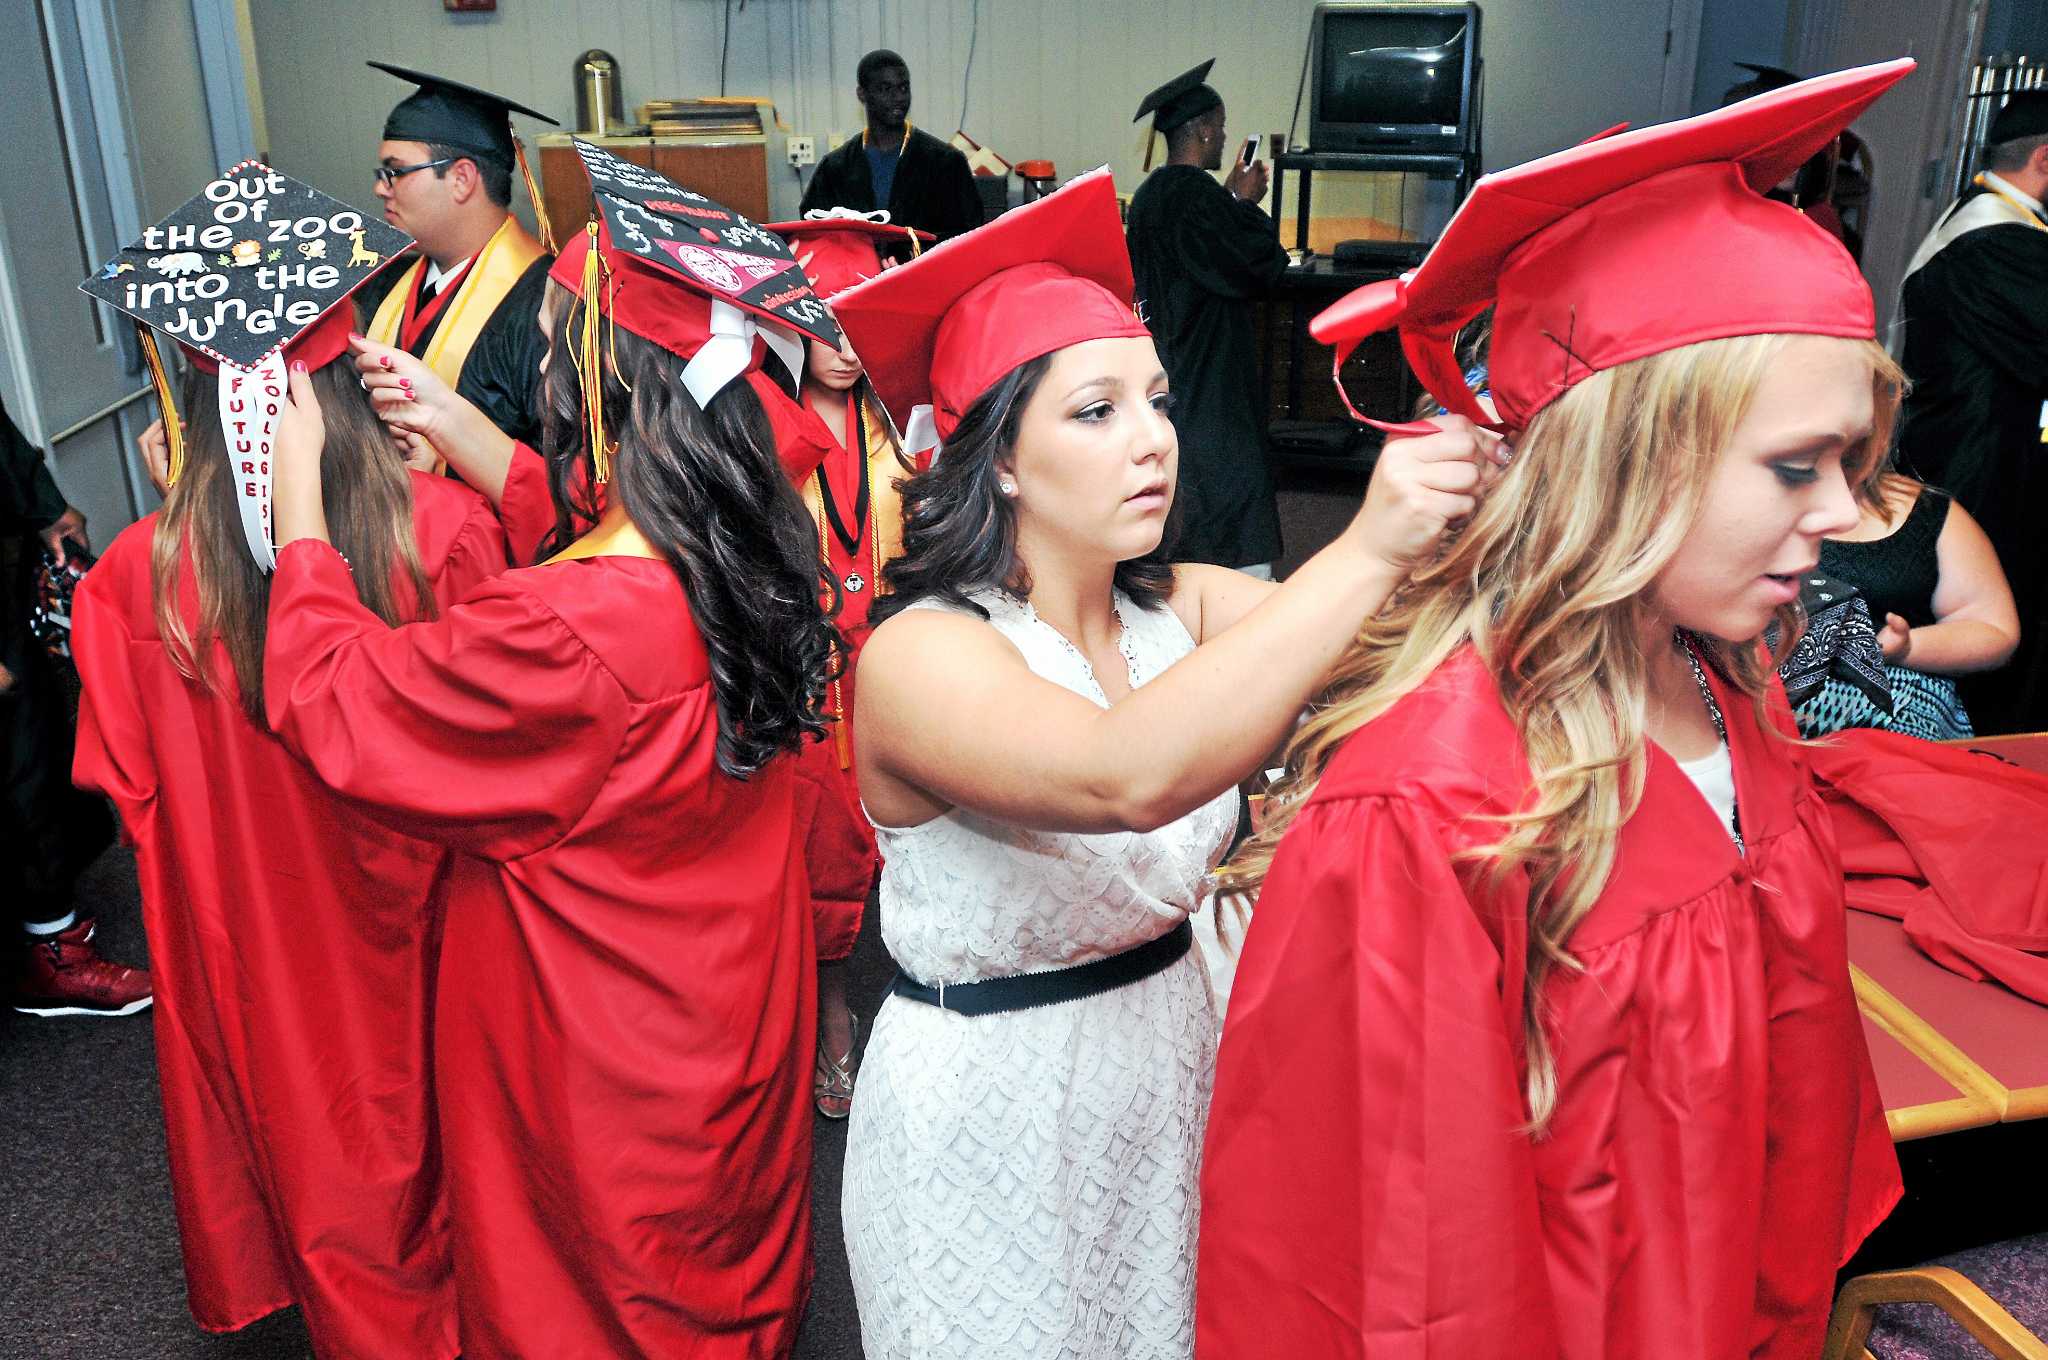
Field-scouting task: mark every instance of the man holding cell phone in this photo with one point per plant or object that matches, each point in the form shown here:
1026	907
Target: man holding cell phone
1201	250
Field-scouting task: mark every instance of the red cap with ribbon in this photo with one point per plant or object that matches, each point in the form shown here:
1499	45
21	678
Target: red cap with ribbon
839	247
947	326
251	274
1624	247
692	276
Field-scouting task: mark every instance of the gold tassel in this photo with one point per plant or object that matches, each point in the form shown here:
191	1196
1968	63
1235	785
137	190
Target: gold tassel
174	434
540	209
916	246
589	360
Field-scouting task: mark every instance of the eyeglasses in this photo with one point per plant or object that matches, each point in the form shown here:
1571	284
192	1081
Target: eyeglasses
387	175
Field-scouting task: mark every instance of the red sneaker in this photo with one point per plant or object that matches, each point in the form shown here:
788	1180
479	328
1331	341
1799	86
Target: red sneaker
63	974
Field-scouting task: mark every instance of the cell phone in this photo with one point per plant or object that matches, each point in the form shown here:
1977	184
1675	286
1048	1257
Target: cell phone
1250	152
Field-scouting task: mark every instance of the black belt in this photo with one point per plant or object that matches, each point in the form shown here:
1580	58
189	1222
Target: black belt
1027	990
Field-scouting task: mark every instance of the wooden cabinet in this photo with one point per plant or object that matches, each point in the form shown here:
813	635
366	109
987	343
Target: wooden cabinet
732	172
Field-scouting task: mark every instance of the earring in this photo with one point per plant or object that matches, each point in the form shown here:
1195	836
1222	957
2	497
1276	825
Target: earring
1007	487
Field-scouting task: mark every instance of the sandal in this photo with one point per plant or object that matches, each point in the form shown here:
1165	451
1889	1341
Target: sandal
832	1081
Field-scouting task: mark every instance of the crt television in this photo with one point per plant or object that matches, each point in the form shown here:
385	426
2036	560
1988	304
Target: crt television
1393	77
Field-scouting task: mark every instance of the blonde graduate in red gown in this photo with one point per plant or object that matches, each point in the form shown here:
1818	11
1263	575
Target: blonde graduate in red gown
1542	1043
294	940
627	985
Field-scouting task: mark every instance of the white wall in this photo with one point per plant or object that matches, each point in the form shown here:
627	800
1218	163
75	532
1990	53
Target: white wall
1056	79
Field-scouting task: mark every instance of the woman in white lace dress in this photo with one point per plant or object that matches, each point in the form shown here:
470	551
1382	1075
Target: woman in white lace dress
1051	726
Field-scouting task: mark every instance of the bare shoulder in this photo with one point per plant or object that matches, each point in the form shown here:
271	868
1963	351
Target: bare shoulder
1210	598
923	644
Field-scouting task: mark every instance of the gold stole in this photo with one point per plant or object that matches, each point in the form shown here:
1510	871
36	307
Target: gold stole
506	256
883	532
619	538
884	529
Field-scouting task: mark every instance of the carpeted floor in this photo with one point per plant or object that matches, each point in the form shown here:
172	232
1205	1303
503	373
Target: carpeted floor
89	1266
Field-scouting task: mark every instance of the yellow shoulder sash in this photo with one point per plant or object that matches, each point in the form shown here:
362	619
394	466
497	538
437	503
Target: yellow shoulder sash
617	539
506	256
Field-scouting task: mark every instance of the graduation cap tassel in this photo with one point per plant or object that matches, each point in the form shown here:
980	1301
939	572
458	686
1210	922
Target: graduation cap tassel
540	209
174	434
590	362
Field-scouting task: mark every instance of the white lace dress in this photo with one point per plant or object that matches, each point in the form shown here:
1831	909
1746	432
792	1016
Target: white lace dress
1025	1184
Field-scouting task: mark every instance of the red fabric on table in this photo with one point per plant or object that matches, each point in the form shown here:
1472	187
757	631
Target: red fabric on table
1951	843
293	944
1718	1149
628	1000
2003	1033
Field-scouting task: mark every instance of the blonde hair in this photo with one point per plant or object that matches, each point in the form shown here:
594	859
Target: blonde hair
368	497
1549	583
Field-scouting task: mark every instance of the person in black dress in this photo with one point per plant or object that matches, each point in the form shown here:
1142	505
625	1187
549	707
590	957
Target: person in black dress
1940	602
1976	350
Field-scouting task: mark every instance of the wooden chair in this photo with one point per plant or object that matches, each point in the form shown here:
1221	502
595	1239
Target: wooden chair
1975	1311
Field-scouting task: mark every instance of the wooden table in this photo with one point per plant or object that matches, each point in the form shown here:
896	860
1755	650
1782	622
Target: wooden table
1949	1053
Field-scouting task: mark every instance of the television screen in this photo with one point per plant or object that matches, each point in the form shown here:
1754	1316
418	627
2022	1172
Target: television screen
1390	68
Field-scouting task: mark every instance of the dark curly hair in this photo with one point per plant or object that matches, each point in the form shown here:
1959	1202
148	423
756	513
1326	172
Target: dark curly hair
960	531
705	487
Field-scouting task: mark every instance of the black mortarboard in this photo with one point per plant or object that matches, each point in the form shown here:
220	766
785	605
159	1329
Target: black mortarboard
1179	99
254	268
1762	80
1770	77
453	114
247	266
2024	115
692	276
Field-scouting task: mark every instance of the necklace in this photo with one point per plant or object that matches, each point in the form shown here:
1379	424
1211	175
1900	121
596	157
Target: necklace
1699	675
899	146
849	538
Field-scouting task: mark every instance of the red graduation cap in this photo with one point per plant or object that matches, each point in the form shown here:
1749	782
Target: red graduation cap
947	326
692	276
1625	247
839	247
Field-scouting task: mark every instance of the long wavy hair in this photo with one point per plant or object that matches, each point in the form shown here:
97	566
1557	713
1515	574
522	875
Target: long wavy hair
368	497
705	487
1550	584
960	531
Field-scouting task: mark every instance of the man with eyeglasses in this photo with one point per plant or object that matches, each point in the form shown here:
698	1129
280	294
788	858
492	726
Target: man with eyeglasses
469	305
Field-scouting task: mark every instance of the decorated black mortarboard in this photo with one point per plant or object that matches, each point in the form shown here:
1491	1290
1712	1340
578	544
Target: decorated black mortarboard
449	113
249	274
692	276
1184	97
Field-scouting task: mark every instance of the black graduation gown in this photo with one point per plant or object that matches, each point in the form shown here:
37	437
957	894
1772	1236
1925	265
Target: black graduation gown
49	831
501	375
1976	319
1200	256
933	189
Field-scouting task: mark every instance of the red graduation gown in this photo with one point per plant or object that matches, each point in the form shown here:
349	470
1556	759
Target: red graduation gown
1718	1148
1949	842
293	945
627	1000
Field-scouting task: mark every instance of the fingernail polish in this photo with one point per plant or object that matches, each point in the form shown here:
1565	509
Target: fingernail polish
298	365
385	359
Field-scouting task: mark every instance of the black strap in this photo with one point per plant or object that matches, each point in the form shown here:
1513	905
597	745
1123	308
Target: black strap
1025	991
850	539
